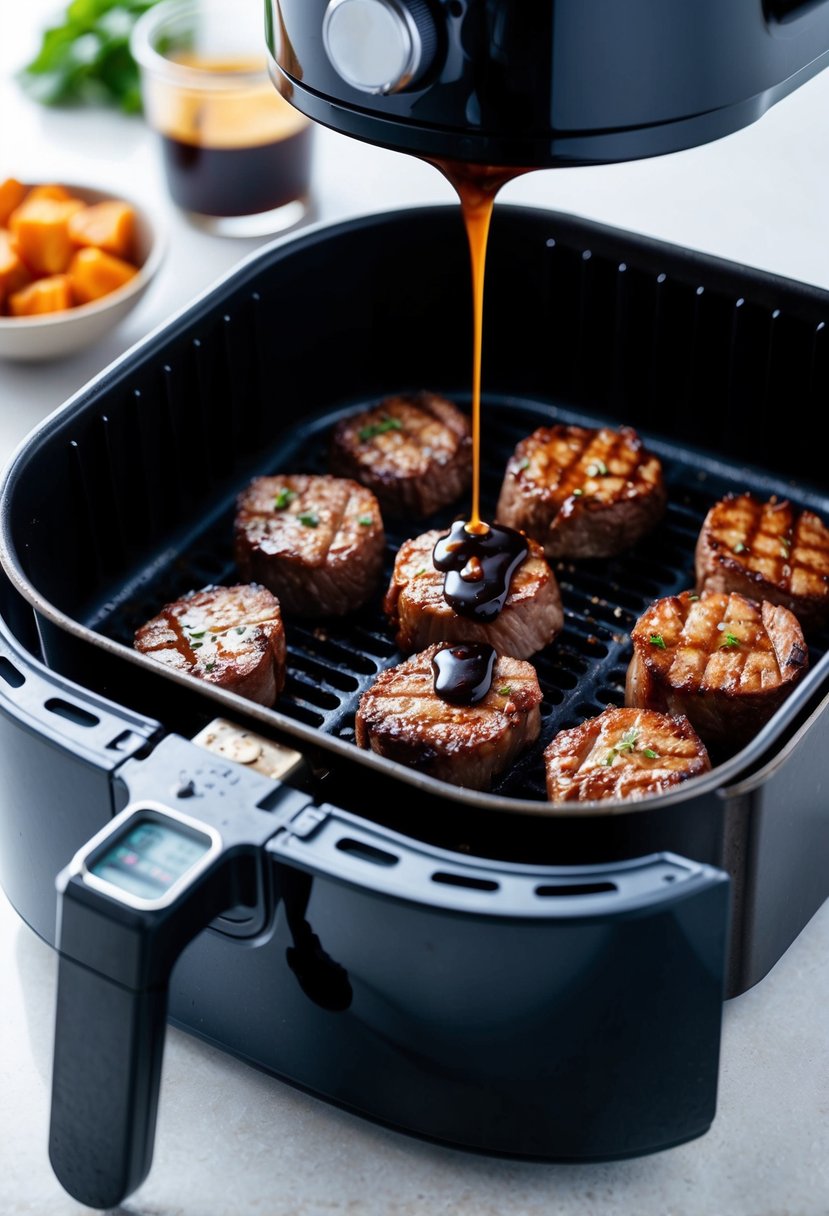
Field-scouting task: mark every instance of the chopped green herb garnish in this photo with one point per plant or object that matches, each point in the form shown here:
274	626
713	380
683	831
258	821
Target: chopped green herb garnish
505	690
729	640
421	570
739	547
524	464
241	628
209	666
197	633
379	428
310	519
365	521
628	741
578	493
693	596
283	497
650	753
597	468
196	645
656	639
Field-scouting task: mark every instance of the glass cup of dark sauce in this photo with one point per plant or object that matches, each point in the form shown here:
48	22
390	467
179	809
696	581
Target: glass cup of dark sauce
237	156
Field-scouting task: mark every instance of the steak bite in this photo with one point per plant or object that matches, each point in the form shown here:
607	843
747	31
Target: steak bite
229	636
582	492
316	542
623	753
402	717
724	661
767	551
531	618
414	452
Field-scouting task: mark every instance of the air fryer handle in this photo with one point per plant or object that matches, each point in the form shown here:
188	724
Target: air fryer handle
129	903
105	1084
113	977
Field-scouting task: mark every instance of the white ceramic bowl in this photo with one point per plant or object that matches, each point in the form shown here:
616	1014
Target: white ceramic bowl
62	333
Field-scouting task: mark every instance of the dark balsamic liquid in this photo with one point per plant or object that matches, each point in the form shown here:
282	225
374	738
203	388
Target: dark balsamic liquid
476	187
477	558
478	567
240	180
463	673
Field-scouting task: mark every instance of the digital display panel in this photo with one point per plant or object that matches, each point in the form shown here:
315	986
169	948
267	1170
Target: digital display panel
150	857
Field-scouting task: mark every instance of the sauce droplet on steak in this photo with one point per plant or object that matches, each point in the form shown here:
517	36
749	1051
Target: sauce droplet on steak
463	673
493	555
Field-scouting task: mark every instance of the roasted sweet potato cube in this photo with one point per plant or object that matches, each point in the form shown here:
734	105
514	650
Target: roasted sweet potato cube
95	273
40	231
50	190
51	294
109	226
13	274
12	193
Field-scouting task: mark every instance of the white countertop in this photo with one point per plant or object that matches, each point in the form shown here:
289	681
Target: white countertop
232	1142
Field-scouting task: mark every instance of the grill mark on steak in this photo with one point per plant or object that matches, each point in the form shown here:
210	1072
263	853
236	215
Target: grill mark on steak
413	451
725	661
767	550
402	718
582	492
180	642
229	636
316	541
600	449
623	753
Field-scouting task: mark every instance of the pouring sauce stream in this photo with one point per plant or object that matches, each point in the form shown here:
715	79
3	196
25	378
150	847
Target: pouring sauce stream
476	187
478	559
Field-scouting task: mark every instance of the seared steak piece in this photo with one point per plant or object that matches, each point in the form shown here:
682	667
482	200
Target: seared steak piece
767	551
581	492
403	718
530	619
316	542
229	636
724	661
414	453
623	753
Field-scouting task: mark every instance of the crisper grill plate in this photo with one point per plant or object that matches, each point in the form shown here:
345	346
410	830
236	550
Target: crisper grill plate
330	664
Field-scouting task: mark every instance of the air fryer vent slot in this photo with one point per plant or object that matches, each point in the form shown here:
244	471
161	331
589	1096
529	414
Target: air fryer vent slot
72	713
10	674
550	891
447	879
366	852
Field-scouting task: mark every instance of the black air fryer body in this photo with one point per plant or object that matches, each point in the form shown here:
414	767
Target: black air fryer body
540	83
483	969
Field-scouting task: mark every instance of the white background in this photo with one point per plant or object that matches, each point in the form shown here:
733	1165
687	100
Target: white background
231	1141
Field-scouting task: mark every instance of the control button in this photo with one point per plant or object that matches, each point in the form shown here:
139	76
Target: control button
231	742
307	822
379	46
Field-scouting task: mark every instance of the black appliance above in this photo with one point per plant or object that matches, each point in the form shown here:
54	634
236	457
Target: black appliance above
542	83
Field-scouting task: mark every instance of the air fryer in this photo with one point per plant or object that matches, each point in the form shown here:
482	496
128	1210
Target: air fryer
498	976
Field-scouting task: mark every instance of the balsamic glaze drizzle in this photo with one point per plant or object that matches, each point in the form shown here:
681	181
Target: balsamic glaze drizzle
478	567
463	672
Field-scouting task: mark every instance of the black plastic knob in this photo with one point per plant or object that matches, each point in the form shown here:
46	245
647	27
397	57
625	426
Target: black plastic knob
379	46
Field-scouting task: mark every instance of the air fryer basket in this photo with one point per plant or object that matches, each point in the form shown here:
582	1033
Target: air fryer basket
707	360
